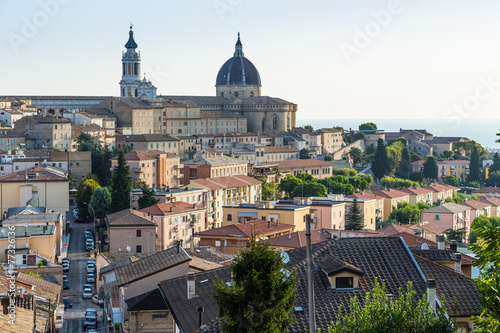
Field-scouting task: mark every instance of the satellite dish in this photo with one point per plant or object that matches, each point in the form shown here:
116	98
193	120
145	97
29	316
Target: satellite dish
128	248
285	257
424	247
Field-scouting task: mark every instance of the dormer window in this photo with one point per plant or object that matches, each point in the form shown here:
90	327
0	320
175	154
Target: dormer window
341	275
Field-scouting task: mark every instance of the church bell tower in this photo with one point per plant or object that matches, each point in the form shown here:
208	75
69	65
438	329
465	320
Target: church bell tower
131	67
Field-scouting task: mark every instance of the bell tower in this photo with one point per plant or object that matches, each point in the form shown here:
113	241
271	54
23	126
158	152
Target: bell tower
131	67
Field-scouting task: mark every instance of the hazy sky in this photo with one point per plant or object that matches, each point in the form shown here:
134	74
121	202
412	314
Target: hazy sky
335	59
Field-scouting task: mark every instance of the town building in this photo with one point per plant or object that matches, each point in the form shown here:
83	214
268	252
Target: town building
32	244
43	186
177	221
316	168
132	231
366	197
391	199
477	208
163	142
441	191
331	140
419	194
493	202
456	168
449	215
212	166
46	131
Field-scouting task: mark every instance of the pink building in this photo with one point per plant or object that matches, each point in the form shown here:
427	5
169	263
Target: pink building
477	208
449	215
328	214
177	221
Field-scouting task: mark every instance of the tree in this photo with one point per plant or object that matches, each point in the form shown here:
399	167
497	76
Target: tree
416	176
487	252
101	201
356	155
328	158
431	169
355	218
83	195
304	154
380	165
456	235
448	154
121	185
496	163
407	212
394	153
359	136
147	198
367	127
474	166
85	142
270	190
309	127
383	313
404	168
262	295
288	184
493	221
494	178
101	164
309	188
451	180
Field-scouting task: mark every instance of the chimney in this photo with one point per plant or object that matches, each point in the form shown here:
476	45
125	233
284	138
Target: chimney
171	209
453	246
440	241
200	316
431	293
191	280
458	263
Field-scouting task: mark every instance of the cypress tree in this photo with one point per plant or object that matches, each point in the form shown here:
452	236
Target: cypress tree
121	185
147	198
380	165
431	169
405	168
474	165
355	217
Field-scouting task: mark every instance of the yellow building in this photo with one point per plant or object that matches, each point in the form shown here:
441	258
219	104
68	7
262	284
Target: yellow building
291	215
42	186
391	199
31	245
369	208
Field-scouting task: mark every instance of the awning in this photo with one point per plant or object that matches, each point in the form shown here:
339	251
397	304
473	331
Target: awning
248	214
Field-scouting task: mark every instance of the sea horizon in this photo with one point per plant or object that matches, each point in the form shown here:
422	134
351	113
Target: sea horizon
482	131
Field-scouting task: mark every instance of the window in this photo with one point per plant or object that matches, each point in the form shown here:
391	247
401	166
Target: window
436	218
138	233
344	282
159	316
229	217
138	249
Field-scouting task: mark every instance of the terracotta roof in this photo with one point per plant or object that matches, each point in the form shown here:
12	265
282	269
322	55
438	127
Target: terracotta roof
391	193
255	227
140	155
248	179
475	205
440	187
203	265
146	138
42	173
283	149
164	209
214	161
433	227
152	264
39	283
228	181
493	201
209	253
206	183
129	218
487	190
416	190
396	229
413	240
447	208
384	258
298	238
365	195
303	163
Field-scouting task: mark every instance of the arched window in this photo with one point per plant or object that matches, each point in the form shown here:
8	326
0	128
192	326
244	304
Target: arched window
263	125
275	122
287	124
251	93
236	94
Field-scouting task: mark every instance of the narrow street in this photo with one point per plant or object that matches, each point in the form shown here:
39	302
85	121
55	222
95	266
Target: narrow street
77	276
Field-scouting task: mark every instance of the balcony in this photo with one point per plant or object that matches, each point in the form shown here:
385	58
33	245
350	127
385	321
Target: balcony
179	176
138	170
179	166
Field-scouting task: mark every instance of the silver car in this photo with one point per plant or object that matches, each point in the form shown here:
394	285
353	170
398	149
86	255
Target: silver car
87	291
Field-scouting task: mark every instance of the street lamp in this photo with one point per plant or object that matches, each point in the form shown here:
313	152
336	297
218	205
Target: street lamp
93	217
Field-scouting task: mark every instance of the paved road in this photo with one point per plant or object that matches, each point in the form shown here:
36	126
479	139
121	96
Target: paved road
77	276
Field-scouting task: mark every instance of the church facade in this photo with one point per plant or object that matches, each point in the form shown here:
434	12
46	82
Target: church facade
237	106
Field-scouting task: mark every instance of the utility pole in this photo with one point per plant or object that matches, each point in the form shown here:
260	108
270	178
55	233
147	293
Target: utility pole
310	280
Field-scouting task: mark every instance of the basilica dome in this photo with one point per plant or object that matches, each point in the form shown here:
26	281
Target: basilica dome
238	70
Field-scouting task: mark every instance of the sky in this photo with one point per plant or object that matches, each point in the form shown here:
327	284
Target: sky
336	59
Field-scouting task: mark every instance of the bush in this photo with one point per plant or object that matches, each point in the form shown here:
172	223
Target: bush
416	176
397	183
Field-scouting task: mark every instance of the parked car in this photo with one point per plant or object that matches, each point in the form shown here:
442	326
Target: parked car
65	267
67	303
65	282
87	291
89	246
75	212
96	300
91	267
91	329
90	318
90	277
79	219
